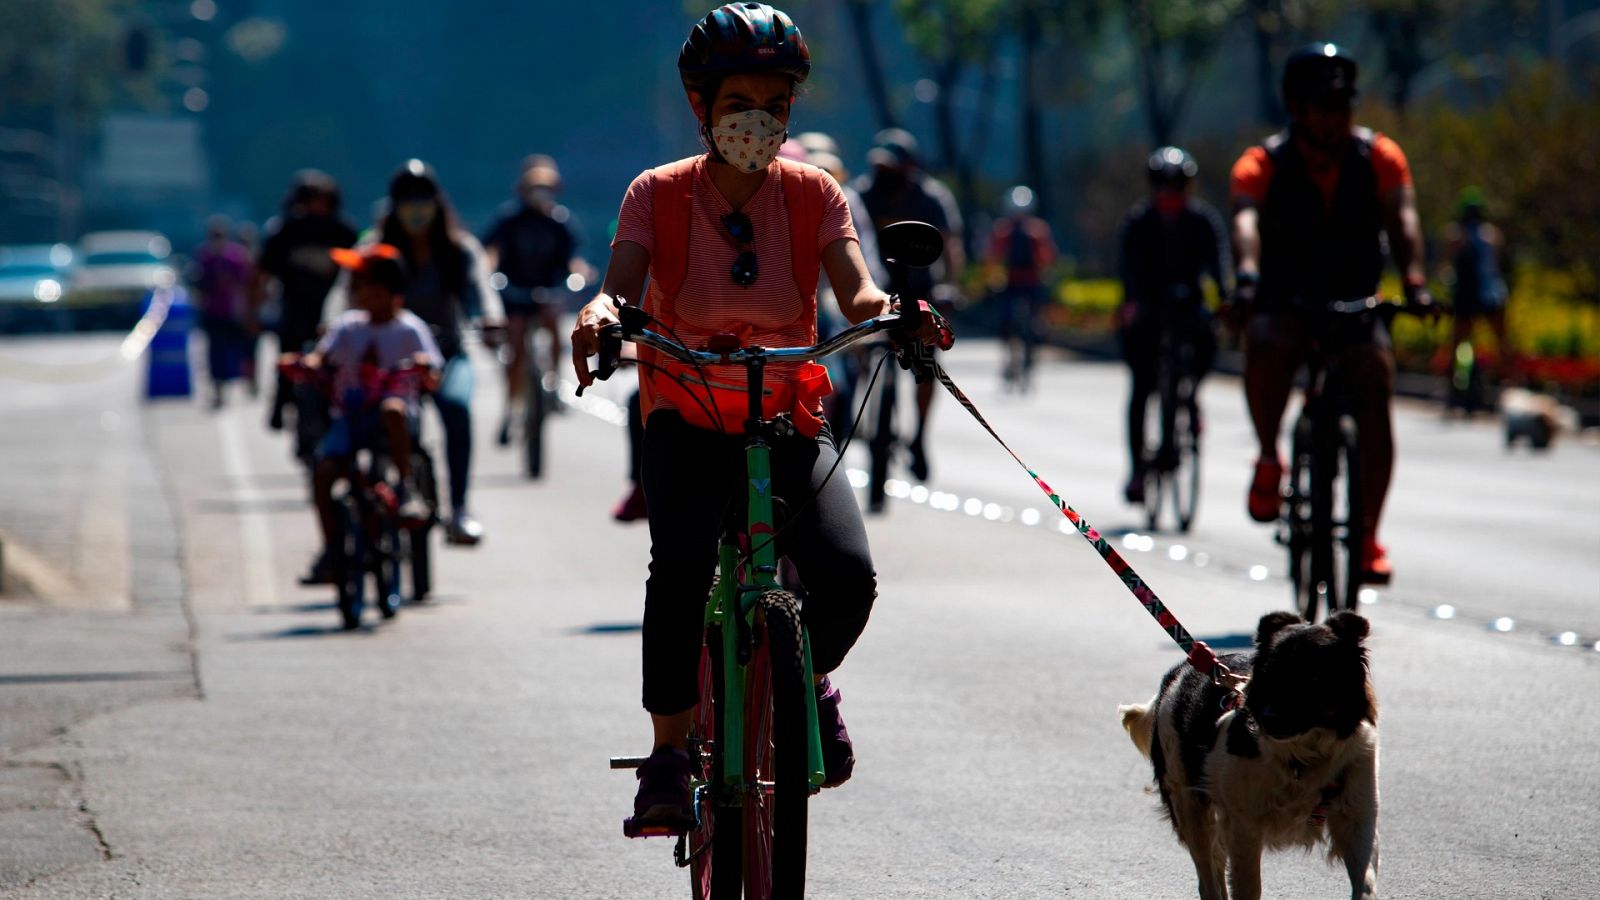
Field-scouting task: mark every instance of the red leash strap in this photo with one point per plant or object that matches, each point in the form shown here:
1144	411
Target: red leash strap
1200	656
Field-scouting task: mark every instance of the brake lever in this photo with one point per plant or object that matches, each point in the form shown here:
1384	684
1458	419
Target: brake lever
610	354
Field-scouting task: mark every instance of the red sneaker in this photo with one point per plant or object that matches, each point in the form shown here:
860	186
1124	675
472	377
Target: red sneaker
1266	491
632	508
1375	564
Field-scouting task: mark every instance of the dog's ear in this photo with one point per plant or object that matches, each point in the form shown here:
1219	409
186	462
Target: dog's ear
1272	623
1349	626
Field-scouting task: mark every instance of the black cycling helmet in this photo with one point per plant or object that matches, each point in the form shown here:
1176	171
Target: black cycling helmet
1171	165
313	184
1319	72
741	39
414	178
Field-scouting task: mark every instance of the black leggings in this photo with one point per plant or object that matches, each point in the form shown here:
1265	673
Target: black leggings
692	479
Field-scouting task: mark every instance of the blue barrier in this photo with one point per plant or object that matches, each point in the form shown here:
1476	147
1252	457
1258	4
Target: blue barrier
168	353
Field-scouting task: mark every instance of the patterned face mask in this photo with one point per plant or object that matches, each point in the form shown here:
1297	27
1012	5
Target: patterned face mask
749	140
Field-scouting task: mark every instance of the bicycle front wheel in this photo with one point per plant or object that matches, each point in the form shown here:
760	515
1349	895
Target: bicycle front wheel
534	410
699	844
1186	477
1353	533
776	763
1297	514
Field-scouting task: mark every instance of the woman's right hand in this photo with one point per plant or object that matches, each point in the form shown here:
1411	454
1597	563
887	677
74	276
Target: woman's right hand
595	316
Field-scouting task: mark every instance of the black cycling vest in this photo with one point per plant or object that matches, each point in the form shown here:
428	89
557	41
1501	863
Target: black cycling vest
1313	251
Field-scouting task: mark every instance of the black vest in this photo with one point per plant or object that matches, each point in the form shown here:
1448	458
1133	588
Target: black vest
1312	251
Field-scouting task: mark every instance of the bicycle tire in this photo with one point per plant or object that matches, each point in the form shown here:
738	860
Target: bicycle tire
881	447
775	818
417	540
387	567
1354	532
533	416
1323	586
1297	521
350	573
1186	477
703	746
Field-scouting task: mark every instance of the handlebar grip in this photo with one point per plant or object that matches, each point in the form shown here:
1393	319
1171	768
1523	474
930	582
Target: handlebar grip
610	353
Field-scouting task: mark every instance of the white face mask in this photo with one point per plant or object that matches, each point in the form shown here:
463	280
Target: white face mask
749	140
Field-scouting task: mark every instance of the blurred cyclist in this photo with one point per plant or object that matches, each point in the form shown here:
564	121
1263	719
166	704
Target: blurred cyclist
897	190
369	343
223	278
1023	246
449	286
1312	206
295	254
845	368
534	245
1474	247
1170	241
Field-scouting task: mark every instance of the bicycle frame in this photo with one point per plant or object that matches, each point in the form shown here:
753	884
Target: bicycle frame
747	572
747	560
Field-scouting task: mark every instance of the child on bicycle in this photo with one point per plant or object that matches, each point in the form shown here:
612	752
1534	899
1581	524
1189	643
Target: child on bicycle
379	358
733	241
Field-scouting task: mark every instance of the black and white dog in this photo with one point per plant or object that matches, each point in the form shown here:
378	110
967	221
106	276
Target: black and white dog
1294	765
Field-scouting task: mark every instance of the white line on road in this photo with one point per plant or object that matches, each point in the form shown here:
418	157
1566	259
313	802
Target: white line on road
255	536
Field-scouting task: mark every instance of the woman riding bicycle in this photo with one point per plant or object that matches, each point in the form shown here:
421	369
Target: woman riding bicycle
449	285
717	228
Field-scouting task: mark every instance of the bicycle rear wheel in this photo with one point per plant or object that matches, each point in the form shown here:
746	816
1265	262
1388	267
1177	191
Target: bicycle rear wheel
776	764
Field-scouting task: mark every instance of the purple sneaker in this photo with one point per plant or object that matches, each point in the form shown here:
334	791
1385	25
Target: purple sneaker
664	803
838	754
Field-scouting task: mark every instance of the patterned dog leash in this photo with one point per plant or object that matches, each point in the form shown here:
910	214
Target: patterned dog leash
1199	655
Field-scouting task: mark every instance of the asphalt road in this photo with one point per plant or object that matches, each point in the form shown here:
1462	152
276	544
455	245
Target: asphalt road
461	750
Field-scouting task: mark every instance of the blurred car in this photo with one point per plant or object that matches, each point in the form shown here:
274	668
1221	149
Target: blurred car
116	269
33	279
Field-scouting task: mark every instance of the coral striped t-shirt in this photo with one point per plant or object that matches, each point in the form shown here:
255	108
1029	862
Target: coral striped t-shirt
709	301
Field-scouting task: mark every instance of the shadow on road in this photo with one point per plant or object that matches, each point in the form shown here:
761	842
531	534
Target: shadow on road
290	608
609	628
303	631
1242	640
86	677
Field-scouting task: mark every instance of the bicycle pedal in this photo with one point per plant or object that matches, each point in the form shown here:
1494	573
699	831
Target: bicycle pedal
635	829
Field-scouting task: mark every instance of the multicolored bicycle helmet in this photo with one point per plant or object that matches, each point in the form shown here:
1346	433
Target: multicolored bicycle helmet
1320	72
741	39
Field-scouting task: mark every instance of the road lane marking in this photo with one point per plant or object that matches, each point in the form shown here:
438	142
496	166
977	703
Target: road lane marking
608	410
255	534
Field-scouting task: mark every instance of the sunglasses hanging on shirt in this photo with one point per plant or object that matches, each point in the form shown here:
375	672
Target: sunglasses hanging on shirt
744	234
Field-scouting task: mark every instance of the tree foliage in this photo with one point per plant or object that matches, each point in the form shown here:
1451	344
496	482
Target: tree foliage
44	41
1175	39
1531	151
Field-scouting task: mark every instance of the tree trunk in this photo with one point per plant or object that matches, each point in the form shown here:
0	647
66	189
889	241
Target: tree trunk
1033	165
871	69
1266	27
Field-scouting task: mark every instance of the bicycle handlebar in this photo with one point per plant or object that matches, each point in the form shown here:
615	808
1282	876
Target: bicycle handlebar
634	320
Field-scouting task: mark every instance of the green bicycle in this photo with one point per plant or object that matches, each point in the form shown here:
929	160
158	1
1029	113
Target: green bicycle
754	746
